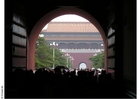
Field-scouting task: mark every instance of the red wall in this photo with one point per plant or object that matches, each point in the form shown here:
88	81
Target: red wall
81	57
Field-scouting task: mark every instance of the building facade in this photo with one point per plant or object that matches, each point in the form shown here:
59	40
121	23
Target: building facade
81	40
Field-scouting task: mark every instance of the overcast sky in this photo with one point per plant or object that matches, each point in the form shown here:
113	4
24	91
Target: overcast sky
68	18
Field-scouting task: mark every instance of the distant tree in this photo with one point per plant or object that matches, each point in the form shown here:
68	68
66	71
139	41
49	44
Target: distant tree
44	55
98	60
59	58
70	64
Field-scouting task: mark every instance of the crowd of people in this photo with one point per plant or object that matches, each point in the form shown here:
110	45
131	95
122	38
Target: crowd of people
58	83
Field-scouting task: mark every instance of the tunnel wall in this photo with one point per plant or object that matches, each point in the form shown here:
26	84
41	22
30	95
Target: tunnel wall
19	36
129	45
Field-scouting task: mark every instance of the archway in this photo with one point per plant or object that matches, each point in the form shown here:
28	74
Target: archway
47	18
82	65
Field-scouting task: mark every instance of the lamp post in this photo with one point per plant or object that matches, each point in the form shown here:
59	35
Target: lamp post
72	60
67	56
53	45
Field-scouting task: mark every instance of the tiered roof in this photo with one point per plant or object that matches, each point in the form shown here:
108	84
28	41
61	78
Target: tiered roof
71	27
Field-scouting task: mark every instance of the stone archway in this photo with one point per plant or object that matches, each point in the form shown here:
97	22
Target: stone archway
47	18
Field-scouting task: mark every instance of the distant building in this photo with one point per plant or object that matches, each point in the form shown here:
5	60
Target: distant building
79	39
73	35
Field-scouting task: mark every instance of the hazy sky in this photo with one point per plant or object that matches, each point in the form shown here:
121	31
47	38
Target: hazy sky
68	18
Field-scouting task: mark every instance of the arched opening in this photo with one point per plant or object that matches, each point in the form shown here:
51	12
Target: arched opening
47	18
82	65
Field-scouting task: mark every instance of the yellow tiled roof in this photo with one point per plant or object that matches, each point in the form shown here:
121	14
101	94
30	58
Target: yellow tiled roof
70	27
